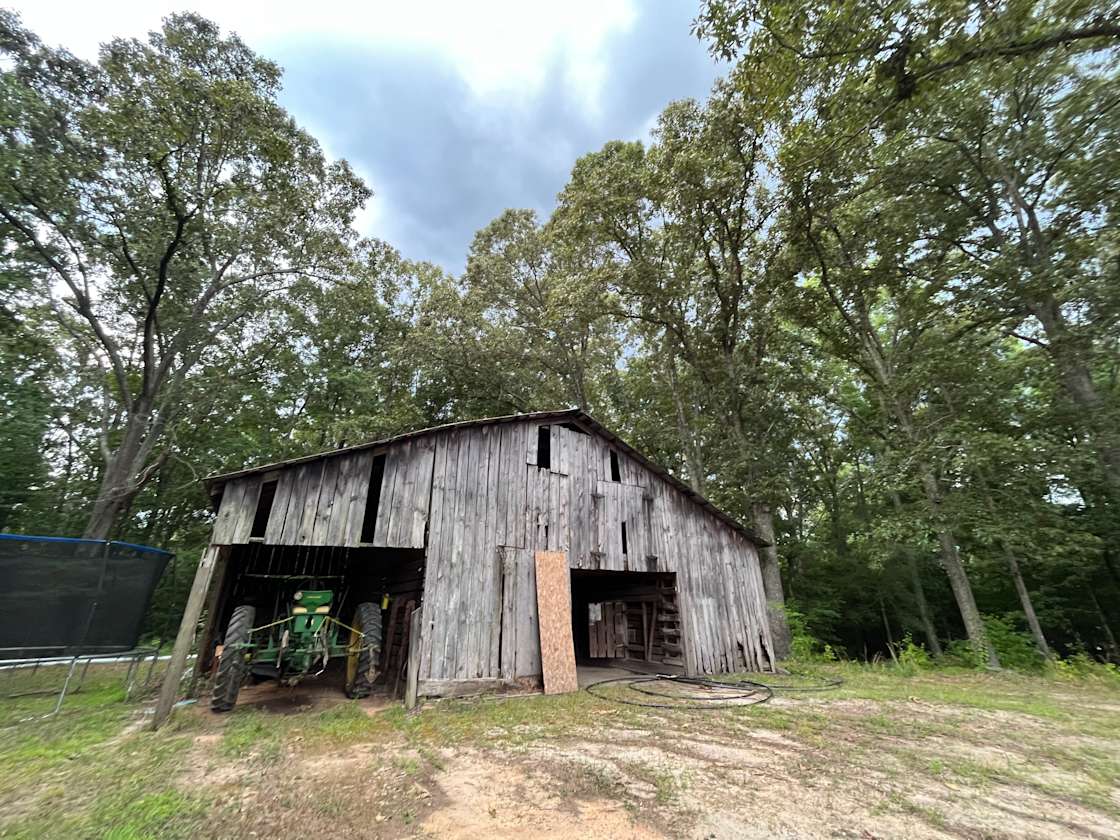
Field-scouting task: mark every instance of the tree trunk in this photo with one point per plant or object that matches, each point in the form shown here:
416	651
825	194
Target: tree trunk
692	458
950	557
919	590
1078	384
772	579
887	628
1028	606
958	577
120	482
923	606
1017	578
1113	647
962	593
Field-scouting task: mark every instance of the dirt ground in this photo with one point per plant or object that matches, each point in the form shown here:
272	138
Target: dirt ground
942	757
804	766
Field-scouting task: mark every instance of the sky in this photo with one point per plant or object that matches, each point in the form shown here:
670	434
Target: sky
451	111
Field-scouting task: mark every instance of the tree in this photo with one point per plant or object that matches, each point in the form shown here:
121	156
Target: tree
998	124
27	405
685	236
536	314
161	198
992	129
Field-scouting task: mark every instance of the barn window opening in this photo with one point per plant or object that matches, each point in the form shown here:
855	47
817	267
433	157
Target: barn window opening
264	510
373	498
623	537
616	473
544	447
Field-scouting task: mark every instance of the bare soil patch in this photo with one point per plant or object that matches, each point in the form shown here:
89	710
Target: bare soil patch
1015	760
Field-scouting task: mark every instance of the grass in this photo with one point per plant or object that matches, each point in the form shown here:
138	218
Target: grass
93	771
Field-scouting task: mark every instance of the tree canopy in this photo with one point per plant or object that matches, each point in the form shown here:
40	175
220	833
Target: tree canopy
865	297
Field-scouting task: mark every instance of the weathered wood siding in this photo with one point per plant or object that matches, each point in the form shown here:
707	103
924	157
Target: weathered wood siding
475	497
235	515
402	515
492	507
323	502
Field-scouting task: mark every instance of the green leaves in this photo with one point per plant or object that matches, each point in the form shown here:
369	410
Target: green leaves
163	200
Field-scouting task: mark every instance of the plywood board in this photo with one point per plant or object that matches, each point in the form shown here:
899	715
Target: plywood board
554	612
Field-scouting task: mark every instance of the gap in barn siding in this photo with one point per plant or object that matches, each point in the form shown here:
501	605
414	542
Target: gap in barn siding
264	510
373	498
616	473
544	447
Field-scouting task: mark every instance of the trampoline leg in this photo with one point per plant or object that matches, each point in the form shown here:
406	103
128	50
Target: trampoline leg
82	678
65	685
128	680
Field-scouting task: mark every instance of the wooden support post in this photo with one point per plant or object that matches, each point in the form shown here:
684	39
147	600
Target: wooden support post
214	607
412	684
170	688
645	632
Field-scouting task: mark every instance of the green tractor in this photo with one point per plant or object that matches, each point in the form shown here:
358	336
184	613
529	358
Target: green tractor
298	644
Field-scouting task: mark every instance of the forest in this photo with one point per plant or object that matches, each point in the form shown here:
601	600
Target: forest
865	298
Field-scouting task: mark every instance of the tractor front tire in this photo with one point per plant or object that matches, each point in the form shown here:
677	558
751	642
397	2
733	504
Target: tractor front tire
362	664
233	666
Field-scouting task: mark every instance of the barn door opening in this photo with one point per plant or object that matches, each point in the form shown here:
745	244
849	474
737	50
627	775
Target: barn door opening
626	617
266	577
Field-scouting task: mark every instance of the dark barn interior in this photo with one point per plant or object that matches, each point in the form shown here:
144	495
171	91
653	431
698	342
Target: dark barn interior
626	616
266	575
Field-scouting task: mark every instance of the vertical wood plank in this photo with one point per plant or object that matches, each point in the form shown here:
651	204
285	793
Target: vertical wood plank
314	489
396	461
339	508
357	491
528	637
508	653
416	625
233	496
531	443
419	509
243	527
327	494
284	485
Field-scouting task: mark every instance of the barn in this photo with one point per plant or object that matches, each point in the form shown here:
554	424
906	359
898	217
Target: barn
492	544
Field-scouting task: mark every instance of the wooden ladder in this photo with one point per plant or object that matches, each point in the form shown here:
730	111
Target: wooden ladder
669	623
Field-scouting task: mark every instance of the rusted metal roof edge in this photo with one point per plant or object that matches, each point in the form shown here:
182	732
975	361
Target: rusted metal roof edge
565	414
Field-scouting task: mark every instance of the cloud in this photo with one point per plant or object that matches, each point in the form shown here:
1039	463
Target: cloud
452	111
491	42
444	158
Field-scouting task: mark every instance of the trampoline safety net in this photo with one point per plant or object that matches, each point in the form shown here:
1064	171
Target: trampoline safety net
69	596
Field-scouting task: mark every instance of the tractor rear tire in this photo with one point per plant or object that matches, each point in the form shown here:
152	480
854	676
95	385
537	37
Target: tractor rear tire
367	619
233	666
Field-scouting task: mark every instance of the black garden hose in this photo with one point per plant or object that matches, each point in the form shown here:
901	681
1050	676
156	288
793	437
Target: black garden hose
757	692
750	692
